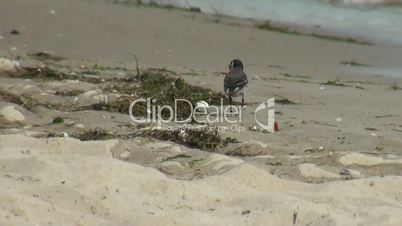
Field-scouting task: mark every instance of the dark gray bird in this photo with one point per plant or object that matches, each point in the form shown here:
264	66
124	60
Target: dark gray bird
235	81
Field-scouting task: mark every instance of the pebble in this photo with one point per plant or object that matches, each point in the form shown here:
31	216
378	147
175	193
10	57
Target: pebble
79	126
256	77
125	155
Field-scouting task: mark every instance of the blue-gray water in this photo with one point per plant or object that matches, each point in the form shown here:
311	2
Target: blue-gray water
367	19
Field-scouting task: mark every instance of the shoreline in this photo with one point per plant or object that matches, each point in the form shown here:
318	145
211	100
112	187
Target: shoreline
301	28
285	28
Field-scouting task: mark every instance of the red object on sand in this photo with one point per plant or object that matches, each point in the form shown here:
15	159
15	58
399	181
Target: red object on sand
276	127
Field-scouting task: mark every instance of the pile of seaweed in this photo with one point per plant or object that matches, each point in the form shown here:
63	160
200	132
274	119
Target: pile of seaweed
95	134
163	88
204	138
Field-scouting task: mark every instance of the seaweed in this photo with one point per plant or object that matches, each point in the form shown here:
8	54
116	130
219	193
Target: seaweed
335	82
284	101
194	162
206	138
274	163
269	26
15	32
43	56
229	140
70	93
395	86
95	134
121	104
179	156
354	63
58	120
42	73
296	76
163	88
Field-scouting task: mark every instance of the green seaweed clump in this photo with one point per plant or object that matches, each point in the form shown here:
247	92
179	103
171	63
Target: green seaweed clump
207	139
335	82
94	134
58	120
43	56
163	89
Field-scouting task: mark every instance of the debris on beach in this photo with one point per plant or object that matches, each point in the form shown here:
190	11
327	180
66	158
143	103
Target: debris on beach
253	128
314	150
164	88
395	86
276	126
15	32
284	101
205	138
335	82
70	93
42	73
94	134
195	9
354	63
45	56
371	129
385	116
58	120
179	156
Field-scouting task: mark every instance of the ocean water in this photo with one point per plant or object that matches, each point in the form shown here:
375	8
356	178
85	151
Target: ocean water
376	21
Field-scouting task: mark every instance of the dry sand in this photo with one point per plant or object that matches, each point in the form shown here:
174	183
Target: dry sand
67	182
336	161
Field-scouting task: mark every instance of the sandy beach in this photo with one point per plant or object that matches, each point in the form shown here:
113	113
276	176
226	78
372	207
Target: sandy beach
71	155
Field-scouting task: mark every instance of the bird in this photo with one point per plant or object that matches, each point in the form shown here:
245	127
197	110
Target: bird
235	81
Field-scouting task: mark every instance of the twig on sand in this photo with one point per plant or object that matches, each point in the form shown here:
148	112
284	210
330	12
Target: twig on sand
137	66
385	116
375	153
323	123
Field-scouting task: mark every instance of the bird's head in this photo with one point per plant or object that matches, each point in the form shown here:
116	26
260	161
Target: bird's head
236	63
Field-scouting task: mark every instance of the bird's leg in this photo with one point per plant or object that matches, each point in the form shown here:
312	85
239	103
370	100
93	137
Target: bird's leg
242	100
230	103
